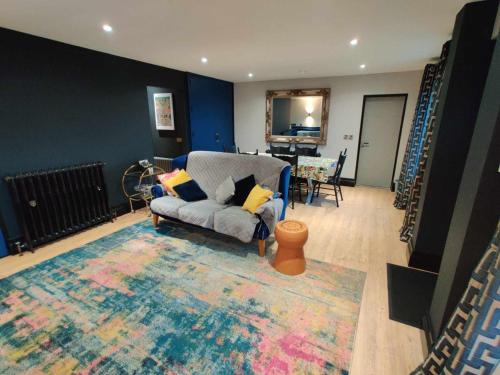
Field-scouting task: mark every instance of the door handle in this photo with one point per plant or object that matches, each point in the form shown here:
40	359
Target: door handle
365	144
217	137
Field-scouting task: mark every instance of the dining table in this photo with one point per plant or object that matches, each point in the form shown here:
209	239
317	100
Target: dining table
313	169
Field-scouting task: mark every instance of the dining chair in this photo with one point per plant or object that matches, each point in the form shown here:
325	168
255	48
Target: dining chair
248	153
306	151
335	179
294	161
281	150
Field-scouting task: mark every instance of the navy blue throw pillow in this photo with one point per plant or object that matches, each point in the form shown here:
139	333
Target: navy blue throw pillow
190	191
242	189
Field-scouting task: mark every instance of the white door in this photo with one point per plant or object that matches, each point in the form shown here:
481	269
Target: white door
382	117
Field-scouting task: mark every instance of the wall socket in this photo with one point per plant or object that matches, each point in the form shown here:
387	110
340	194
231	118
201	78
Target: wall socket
348	137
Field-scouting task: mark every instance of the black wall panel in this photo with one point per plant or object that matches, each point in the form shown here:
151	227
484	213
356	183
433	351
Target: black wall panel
463	83
477	210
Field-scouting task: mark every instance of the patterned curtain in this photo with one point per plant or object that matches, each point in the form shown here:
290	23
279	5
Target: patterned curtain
430	121
470	342
417	133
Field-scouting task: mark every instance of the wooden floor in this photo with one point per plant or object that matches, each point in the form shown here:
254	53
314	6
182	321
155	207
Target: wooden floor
361	234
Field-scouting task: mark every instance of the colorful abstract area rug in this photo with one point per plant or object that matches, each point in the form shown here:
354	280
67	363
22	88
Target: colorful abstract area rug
177	300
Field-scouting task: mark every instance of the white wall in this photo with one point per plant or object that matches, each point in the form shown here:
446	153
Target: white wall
298	113
345	110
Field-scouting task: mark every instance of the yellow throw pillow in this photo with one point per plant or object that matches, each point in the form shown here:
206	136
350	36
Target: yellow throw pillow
257	197
178	179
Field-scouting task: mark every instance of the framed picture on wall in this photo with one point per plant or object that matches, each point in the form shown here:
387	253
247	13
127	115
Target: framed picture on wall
164	111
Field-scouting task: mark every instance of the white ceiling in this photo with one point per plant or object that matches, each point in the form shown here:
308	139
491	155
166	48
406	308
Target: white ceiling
274	39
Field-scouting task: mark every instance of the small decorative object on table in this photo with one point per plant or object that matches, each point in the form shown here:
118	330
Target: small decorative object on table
291	236
137	181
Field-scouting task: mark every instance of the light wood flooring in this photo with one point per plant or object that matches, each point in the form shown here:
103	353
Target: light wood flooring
362	234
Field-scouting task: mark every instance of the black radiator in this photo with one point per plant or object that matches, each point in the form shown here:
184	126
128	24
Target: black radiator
55	203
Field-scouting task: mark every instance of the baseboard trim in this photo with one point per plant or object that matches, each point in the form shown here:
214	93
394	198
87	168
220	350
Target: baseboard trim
428	331
124	208
347	181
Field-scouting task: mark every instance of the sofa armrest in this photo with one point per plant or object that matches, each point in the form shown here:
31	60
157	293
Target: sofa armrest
180	162
158	191
261	230
270	212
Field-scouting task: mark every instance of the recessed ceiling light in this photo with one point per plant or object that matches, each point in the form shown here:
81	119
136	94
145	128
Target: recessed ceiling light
362	66
107	28
204	60
250	75
354	42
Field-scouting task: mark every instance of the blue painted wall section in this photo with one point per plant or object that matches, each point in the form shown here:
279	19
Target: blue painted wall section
63	105
3	245
211	113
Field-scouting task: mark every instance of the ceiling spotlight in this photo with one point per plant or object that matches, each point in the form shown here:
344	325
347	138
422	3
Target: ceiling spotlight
204	60
107	28
250	75
362	66
354	42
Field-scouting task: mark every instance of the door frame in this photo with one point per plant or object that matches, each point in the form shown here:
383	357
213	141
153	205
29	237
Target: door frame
399	135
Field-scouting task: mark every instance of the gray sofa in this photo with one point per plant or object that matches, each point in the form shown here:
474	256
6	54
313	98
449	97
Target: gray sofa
209	170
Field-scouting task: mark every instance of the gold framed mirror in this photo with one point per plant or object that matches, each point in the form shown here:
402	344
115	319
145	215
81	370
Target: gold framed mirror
297	116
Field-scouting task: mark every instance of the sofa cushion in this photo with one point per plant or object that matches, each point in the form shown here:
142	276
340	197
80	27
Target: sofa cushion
178	179
257	197
236	222
190	191
167	206
242	189
225	191
200	213
164	177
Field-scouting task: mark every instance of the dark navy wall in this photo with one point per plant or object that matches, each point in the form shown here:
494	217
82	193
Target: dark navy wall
211	113
62	105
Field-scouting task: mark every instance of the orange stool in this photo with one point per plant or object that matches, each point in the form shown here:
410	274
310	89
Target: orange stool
291	236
